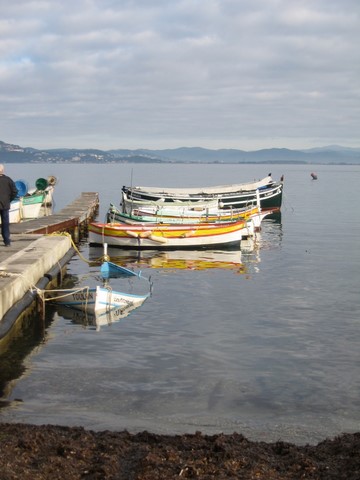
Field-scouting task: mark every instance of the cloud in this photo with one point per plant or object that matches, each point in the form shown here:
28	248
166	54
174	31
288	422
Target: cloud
215	73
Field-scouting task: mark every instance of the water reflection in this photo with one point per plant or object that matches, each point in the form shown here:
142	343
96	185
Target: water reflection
17	346
234	259
166	316
95	321
274	217
108	295
177	259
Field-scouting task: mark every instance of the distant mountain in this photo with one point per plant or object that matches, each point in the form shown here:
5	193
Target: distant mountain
333	148
332	154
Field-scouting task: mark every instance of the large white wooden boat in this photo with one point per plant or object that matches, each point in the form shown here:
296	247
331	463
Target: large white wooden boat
231	196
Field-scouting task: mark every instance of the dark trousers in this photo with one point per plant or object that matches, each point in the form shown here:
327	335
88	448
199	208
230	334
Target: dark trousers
5	226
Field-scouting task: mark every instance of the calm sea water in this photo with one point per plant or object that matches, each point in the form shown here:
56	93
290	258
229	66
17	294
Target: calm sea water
264	343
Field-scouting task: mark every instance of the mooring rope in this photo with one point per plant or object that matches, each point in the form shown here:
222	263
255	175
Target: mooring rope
41	293
66	234
66	292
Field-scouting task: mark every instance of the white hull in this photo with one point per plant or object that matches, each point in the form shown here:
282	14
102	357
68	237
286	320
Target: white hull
30	211
200	191
107	299
162	208
148	239
230	196
82	298
14	213
23	209
183	213
97	300
174	217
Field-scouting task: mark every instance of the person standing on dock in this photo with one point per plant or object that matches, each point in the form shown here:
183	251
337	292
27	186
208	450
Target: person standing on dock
8	192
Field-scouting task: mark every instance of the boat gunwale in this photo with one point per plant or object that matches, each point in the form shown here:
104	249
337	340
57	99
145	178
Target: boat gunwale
133	196
211	190
169	230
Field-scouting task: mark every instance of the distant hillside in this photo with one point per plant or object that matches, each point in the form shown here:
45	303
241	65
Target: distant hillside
333	154
325	155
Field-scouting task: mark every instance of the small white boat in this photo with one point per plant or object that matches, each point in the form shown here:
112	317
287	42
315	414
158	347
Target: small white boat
32	203
101	300
96	300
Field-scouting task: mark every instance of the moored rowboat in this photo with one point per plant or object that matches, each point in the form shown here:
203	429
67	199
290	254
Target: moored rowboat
178	215
97	299
231	196
155	236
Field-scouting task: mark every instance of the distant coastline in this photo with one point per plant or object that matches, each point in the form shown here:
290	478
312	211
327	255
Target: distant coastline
328	155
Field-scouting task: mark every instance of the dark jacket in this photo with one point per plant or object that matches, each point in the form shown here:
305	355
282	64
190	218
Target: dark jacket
8	191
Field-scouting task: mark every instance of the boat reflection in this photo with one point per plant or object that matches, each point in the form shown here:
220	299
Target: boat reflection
176	259
199	260
242	261
274	217
95	320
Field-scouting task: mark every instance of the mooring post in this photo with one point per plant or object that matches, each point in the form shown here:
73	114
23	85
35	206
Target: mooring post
76	234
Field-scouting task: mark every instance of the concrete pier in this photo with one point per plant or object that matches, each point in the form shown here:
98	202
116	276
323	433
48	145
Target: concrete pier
22	270
33	259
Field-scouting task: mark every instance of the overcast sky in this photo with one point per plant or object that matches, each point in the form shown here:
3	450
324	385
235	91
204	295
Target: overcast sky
244	74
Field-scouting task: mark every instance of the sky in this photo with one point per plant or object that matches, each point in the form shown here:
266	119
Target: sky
245	74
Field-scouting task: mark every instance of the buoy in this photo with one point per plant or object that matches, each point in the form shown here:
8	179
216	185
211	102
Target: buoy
22	188
52	180
145	234
130	233
156	238
189	234
41	183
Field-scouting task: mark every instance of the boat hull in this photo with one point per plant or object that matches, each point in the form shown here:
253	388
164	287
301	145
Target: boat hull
98	299
178	215
81	299
32	205
155	236
14	212
266	191
108	299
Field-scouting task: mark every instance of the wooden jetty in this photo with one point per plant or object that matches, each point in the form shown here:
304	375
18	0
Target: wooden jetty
36	255
73	218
